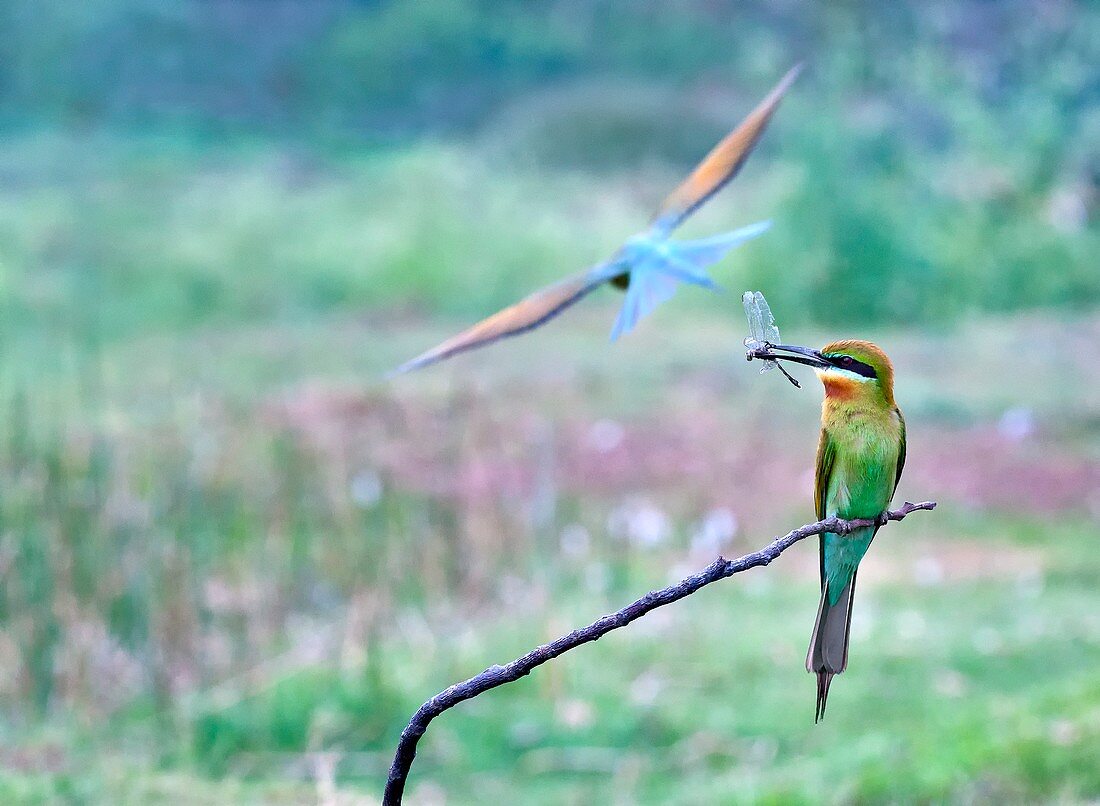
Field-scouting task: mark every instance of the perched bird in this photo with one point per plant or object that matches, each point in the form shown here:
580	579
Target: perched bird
859	462
649	265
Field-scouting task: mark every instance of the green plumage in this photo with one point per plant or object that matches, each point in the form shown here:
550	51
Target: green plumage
859	481
859	462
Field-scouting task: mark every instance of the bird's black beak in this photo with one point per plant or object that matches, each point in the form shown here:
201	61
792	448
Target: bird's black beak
799	355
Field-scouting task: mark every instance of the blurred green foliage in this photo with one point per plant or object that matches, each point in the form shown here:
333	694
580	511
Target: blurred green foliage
379	67
934	159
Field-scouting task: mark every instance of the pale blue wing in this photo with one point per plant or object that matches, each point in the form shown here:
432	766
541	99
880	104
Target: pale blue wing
666	264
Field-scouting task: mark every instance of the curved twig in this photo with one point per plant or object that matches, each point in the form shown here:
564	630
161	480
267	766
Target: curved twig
499	675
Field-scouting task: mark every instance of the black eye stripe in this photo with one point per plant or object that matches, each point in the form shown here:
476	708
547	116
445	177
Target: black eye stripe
852	365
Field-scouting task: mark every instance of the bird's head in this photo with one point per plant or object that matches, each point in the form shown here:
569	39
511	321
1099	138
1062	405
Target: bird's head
849	369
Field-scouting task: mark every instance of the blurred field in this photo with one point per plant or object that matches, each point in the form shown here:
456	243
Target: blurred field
207	591
234	560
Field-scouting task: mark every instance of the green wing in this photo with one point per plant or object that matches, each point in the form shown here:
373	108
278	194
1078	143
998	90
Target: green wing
901	453
826	455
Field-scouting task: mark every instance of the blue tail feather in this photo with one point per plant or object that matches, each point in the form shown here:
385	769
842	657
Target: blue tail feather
648	289
705	251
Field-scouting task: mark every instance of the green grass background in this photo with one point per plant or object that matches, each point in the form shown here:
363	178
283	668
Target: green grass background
234	560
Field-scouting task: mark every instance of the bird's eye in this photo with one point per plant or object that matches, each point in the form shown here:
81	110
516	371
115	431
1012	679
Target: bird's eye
846	360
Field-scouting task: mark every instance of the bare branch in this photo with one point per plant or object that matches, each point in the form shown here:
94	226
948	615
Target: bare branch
499	675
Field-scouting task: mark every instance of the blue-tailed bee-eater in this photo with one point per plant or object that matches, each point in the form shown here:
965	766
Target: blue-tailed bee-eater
649	265
859	461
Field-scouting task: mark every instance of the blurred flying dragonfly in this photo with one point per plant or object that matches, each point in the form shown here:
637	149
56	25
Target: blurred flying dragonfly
649	265
763	333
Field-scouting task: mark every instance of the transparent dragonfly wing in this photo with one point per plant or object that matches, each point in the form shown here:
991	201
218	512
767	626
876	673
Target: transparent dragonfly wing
762	327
